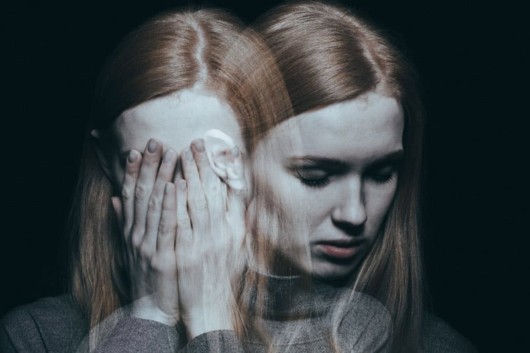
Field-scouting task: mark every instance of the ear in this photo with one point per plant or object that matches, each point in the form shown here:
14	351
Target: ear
99	141
225	158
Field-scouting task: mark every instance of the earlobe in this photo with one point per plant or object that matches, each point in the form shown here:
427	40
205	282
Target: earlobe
225	158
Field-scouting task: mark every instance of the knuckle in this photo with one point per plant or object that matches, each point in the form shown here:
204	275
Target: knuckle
136	240
154	204
146	251
126	193
163	264
155	263
136	231
164	227
183	222
140	192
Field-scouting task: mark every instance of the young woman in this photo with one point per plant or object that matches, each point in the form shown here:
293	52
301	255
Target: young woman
335	261
347	188
332	215
169	82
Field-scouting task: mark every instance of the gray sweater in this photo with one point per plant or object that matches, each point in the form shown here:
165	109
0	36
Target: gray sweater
297	321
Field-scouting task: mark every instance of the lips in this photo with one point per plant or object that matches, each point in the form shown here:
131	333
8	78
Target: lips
339	249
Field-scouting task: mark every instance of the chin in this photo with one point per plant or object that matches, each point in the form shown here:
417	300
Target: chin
327	271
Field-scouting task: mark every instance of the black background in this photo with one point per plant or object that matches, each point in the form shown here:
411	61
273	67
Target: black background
471	60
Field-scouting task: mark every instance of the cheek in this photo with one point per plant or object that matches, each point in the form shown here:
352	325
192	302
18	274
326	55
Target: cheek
274	186
283	197
379	203
303	210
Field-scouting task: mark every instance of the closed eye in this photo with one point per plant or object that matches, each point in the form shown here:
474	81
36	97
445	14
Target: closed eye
382	176
316	172
385	170
312	177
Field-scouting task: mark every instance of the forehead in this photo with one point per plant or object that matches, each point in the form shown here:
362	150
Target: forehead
175	120
359	128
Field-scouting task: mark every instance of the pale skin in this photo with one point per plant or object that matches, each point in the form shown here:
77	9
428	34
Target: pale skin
176	212
332	174
210	233
362	136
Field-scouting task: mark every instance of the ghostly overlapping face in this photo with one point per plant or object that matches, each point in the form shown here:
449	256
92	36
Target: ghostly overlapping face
174	120
330	176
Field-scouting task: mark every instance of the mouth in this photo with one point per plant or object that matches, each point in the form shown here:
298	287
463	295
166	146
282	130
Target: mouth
339	249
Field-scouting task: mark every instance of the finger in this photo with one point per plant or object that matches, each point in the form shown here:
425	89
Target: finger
196	200
184	231
168	221
118	211
211	183
154	208
132	169
168	167
144	187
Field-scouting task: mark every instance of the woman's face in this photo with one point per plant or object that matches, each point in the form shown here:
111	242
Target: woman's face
174	120
330	175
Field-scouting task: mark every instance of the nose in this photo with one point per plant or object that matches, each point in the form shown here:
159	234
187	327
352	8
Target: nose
350	210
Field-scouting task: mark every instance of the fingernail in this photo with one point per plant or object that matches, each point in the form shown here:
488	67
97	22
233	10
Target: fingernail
181	184
133	156
168	156
198	145
235	152
152	146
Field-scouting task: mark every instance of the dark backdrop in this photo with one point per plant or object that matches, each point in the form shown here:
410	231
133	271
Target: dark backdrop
470	58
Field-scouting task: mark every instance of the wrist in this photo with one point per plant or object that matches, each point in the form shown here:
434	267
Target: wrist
145	308
207	321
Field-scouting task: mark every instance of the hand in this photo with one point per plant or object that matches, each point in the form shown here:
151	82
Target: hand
147	214
210	228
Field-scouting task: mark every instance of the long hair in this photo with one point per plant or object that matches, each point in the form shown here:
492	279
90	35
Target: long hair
173	51
329	55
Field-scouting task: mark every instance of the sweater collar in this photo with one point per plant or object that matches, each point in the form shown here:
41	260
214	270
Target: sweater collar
298	297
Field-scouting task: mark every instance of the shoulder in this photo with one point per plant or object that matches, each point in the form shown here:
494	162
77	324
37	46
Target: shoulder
365	307
367	322
44	325
440	337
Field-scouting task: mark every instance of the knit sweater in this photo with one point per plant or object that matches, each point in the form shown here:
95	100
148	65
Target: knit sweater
299	319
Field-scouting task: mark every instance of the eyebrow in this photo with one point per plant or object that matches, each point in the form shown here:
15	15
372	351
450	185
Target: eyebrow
320	162
393	157
390	158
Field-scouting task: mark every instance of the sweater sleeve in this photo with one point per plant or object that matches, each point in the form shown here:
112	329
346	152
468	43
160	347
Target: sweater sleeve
47	325
55	325
19	333
140	335
224	341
